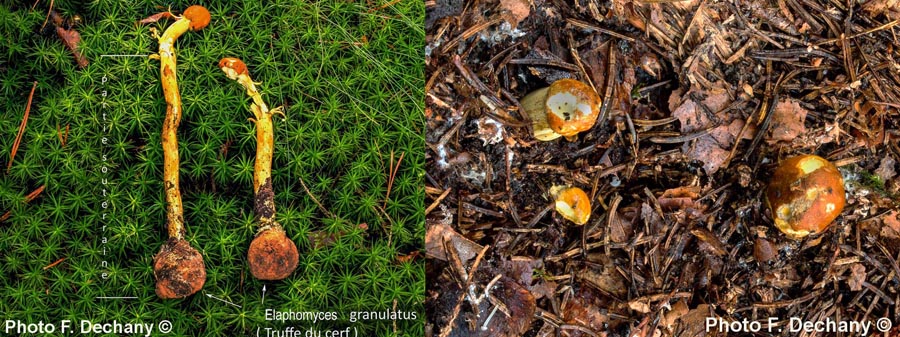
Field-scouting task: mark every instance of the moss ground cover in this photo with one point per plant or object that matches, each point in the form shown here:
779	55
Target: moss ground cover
350	76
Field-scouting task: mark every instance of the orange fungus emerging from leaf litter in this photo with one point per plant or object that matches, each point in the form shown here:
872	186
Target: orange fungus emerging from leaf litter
805	195
572	203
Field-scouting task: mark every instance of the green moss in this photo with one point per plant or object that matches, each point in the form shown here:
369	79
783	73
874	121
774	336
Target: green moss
351	81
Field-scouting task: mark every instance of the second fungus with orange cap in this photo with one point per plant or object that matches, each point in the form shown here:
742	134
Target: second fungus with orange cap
572	203
233	67
272	255
805	195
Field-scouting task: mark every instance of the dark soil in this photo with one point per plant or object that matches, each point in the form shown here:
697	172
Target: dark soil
701	101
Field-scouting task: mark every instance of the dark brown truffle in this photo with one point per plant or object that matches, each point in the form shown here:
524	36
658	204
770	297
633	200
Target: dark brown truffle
178	269
272	255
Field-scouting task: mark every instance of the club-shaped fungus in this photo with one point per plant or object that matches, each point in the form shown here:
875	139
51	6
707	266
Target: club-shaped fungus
178	267
272	255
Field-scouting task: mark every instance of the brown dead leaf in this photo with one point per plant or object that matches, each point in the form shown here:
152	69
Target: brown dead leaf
521	306
693	323
651	218
640	305
708	151
435	238
857	277
678	310
714	148
583	309
71	38
891	226
520	269
515	11
885	169
408	257
787	121
692	116
518	302
620	229
605	277
763	250
877	7
156	17
675	99
783	278
626	9
710	240
544	289
726	134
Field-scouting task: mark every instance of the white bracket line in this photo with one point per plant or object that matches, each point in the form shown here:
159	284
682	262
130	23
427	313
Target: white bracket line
126	55
115	297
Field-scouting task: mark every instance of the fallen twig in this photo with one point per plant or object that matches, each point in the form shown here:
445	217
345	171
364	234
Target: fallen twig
54	264
63	137
28	198
313	197
18	141
437	201
392	173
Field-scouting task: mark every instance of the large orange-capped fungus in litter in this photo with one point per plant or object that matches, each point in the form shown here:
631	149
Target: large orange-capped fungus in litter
564	109
572	107
805	195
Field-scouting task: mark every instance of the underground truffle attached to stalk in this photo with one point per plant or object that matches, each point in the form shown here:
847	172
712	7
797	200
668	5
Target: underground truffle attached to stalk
563	109
178	267
805	195
272	255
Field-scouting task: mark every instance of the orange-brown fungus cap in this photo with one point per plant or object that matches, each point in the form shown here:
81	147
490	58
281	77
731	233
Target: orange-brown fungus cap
805	195
573	204
198	15
272	255
178	269
572	107
234	63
